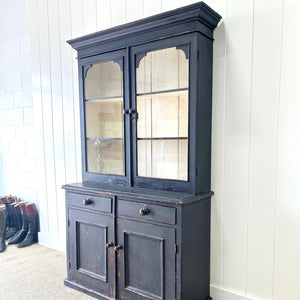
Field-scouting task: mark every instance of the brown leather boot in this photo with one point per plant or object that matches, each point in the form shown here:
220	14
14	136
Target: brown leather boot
2	227
21	234
33	226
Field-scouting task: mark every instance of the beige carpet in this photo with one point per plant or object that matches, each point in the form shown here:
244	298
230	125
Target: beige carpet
34	272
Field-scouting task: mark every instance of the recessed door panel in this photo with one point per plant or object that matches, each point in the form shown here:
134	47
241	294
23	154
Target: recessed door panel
144	273
91	261
146	261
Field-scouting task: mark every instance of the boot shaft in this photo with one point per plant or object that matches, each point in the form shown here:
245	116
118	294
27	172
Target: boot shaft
2	220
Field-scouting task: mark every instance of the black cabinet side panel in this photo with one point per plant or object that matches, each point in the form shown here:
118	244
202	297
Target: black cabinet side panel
196	250
204	114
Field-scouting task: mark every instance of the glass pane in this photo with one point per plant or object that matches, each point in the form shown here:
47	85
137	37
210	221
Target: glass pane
103	80
105	156
163	115
165	159
162	104
162	70
104	118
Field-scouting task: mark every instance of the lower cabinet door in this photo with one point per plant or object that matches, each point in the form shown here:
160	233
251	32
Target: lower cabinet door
92	262
145	261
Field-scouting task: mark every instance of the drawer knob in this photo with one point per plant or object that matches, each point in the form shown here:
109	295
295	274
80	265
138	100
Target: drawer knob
144	211
87	201
118	247
109	244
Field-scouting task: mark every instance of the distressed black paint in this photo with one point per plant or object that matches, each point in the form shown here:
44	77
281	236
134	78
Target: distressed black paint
136	238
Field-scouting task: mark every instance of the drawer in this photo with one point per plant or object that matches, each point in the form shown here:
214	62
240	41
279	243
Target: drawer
90	202
147	211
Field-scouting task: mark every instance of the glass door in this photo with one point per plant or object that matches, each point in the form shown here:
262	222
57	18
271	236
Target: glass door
104	124
162	101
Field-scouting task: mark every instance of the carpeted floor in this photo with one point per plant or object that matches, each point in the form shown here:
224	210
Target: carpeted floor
34	273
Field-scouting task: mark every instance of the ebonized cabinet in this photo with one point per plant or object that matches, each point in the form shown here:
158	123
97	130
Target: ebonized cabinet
138	226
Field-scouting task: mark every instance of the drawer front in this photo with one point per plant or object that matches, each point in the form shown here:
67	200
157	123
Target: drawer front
90	202
141	210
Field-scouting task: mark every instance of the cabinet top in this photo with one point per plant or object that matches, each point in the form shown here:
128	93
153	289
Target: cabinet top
195	17
144	194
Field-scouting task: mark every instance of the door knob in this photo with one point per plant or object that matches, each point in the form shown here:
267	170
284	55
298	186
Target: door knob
144	211
109	244
87	201
118	247
133	113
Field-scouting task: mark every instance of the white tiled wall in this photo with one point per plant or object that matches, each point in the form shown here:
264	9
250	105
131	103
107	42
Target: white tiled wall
256	138
17	137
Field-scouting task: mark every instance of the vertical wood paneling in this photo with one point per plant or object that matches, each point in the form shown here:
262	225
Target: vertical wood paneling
103	14
89	13
287	241
236	149
118	12
135	10
218	121
76	30
47	116
71	155
152	7
38	115
57	110
168	5
263	146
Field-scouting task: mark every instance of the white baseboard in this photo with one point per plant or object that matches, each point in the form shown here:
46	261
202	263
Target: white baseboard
218	293
52	242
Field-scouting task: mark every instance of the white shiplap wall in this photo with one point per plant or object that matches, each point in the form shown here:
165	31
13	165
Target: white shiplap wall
256	132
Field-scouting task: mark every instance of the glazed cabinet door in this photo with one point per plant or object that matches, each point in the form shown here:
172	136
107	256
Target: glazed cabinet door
163	96
104	128
146	261
91	255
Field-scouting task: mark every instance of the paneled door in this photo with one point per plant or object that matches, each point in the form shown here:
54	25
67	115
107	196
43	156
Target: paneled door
146	261
92	259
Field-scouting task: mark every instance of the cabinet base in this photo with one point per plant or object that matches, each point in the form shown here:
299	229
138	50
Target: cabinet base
85	290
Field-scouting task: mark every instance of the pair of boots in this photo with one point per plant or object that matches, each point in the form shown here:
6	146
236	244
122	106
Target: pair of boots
22	223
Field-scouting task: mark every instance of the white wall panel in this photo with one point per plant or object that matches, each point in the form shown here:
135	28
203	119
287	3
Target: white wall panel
76	31
236	147
263	146
134	10
287	230
89	13
103	14
70	150
118	12
152	7
47	110
218	136
168	5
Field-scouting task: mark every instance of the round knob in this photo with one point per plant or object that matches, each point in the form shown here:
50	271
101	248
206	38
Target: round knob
87	201
109	244
144	211
117	248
